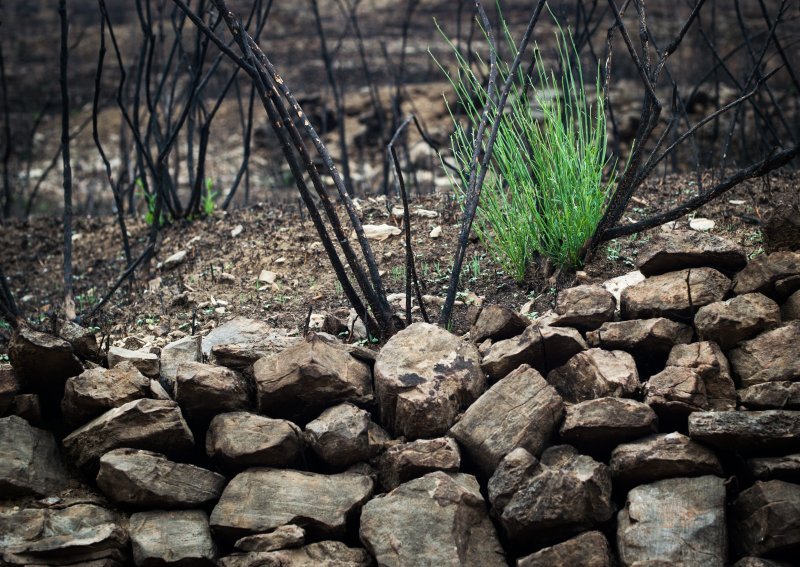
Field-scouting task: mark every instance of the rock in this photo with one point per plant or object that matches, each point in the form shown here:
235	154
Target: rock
436	232
737	319
29	408
344	435
304	379
379	232
790	310
187	349
497	322
786	468
146	362
175	260
157	391
768	430
67	534
713	368
585	307
320	554
282	537
520	410
239	440
31	463
42	362
434	520
763	272
667	295
241	341
565	494
154	425
261	499
701	224
615	286
676	521
767	519
771	395
770	357
94	392
203	390
510	476
682	249
147	479
9	387
83	341
596	373
542	347
676	391
424	376
267	277
662	456
600	424
590	549
171	538
405	461
759	562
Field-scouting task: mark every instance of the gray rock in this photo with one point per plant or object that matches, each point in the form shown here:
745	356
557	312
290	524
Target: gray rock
143	478
648	340
767	430
606	422
320	554
82	339
737	319
681	249
510	476
154	425
260	499
10	386
146	362
590	549
770	357
790	310
771	395
596	373
240	342
405	461
667	295
676	521
187	349
424	376
239	440
204	390
304	379
175	260
676	391
662	456
42	362
763	272
171	538
31	463
521	410
497	322
584	307
434	520
542	347
713	368
786	468
767	519
94	392
344	435
760	562
29	408
282	537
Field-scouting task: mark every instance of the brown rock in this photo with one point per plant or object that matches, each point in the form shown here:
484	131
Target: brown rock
596	373
676	391
682	249
497	322
187	349
94	392
282	537
771	395
605	422
146	362
405	461
424	376
667	295
584	307
240	342
767	430
763	272
82	340
510	476
320	554
590	549
782	229
171	538
786	468
239	440
344	435
713	368
737	319
521	410
767	519
203	390
790	310
770	357
29	408
9	387
42	362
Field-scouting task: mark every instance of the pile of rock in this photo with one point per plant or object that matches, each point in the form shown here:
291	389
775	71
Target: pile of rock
661	426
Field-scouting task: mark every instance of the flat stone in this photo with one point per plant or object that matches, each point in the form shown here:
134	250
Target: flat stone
713	368
187	349
434	520
204	390
662	456
239	440
520	410
790	310
667	295
93	392
767	519
424	376
146	362
155	425
770	357
769	430
320	554
540	346
596	373
737	319
676	521
344	435
308	377
605	422
31	464
175	259
144	478
690	249
771	395
497	322
590	549
405	461
786	468
241	341
171	538
282	537
584	307
42	362
676	391
260	499
764	271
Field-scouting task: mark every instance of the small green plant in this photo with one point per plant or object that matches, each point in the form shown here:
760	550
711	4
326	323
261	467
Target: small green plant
150	200
209	202
544	192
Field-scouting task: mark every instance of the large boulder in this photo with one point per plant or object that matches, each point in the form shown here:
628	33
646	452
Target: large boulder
521	410
767	519
584	307
304	379
769	430
239	440
590	549
319	554
438	519
95	391
681	249
344	435
42	362
261	499
240	342
770	357
736	319
171	538
600	424
764	273
676	521
596	373
424	376
204	390
402	462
